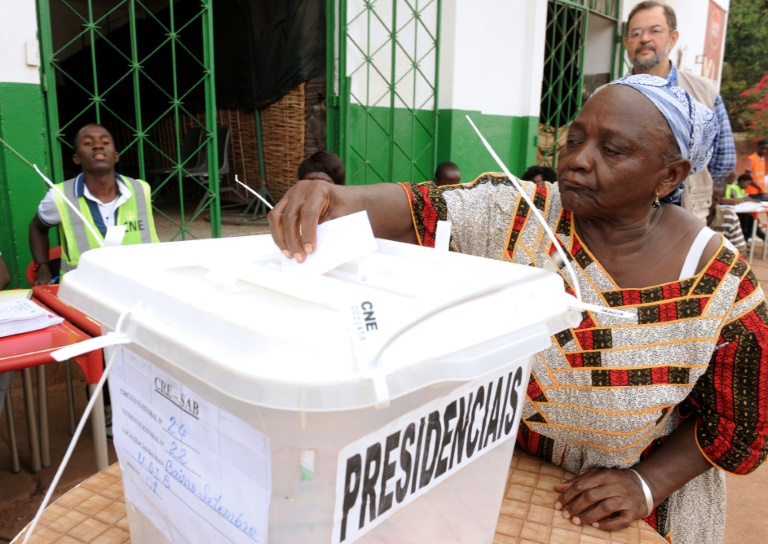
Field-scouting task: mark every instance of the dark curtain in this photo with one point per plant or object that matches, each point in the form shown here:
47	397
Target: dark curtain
265	48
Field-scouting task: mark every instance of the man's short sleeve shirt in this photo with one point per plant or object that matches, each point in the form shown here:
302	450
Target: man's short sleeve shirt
49	213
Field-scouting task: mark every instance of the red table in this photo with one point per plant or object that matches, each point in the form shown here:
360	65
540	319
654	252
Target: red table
48	295
33	349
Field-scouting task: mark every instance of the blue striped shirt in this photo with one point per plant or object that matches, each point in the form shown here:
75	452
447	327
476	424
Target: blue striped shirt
723	159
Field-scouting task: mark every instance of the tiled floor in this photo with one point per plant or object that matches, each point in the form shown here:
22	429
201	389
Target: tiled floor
93	511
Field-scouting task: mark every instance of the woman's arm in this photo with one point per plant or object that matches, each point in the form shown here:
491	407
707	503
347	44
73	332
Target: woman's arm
5	276
293	221
610	499
730	403
39	245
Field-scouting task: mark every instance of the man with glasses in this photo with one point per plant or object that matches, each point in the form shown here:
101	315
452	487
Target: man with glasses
651	35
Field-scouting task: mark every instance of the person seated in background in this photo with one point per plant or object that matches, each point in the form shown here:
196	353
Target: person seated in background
642	408
736	193
447	173
323	165
104	197
726	221
755	168
540	174
735	186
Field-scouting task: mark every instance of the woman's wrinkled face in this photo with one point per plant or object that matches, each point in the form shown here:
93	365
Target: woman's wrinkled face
611	164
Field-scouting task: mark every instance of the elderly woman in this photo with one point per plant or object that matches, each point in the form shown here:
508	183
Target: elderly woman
650	411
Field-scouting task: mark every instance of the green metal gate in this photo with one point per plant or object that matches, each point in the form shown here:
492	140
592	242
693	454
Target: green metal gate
385	90
144	69
562	87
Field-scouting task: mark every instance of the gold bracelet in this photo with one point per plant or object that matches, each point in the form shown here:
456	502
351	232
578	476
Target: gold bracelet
646	491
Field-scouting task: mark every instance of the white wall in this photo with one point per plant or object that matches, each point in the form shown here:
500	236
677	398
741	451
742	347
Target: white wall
18	29
492	53
369	34
599	46
492	56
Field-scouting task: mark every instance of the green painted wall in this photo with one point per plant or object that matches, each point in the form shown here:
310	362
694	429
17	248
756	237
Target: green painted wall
23	126
398	145
514	139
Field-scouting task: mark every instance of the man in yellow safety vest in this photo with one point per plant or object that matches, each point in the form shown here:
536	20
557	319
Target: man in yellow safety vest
104	198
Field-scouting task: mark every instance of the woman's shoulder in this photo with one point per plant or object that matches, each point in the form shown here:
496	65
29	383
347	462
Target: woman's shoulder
678	221
682	229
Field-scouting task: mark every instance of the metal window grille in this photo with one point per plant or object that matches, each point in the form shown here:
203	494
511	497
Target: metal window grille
144	69
563	82
388	53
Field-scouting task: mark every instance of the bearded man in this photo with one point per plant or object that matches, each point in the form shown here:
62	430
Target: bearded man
651	35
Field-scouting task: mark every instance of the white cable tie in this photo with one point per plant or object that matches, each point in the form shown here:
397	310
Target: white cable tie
92	344
581	305
534	209
264	200
381	390
87	223
116	337
53	186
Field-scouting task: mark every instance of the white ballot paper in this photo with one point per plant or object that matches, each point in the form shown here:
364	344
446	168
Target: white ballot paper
338	241
199	473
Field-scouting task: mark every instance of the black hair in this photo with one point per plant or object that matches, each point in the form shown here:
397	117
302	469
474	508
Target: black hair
762	142
443	166
76	137
744	177
326	162
547	173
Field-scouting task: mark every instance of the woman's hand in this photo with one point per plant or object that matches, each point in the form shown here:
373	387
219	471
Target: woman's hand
608	499
293	221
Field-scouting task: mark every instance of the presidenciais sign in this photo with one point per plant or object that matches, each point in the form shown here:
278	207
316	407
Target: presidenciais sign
389	468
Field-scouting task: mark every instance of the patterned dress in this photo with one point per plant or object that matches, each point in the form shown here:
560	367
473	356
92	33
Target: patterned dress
608	392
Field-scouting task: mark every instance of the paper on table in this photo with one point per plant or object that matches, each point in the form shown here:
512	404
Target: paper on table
22	315
11	294
338	241
750	207
198	472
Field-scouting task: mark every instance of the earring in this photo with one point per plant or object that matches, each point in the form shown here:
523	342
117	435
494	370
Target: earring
656	202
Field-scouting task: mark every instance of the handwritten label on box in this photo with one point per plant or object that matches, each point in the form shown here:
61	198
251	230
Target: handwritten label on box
197	472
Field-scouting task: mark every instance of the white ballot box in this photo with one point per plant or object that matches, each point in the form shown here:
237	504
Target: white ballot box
376	403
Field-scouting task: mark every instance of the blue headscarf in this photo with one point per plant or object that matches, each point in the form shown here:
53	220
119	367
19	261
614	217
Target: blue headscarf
693	124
